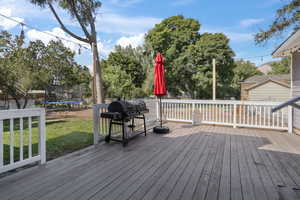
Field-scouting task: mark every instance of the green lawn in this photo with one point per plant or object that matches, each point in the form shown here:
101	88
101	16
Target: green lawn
63	136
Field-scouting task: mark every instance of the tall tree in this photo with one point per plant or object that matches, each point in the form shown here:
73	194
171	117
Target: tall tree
124	75
172	37
281	67
37	66
129	65
194	66
288	16
146	60
84	12
16	76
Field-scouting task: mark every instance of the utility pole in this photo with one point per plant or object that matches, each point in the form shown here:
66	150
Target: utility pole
214	79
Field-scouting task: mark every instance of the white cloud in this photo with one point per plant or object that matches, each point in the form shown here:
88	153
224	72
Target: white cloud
232	35
250	22
7	24
104	48
115	23
24	9
239	37
134	41
72	43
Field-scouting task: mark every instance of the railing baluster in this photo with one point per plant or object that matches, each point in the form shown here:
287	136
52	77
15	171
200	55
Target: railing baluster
210	112
171	111
273	120
204	112
185	111
270	116
244	114
1	144
248	115
278	119
265	116
282	119
224	113
175	113
21	139
260	116
240	114
179	110
11	140
29	137
168	110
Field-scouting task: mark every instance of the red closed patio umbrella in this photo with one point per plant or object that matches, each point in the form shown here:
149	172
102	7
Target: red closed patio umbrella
160	88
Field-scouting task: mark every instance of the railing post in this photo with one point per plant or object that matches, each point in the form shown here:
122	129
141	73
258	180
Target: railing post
42	136
1	144
234	115
96	123
290	119
193	114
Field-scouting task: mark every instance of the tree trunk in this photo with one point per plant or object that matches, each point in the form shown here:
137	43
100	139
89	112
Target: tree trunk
17	102
148	89
25	102
98	94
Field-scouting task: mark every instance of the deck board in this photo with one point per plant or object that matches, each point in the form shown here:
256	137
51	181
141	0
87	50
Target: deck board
192	162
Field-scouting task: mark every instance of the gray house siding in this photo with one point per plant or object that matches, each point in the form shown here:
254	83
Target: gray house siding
296	86
269	91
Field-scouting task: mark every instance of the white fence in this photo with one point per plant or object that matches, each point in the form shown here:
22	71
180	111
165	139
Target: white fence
17	127
232	113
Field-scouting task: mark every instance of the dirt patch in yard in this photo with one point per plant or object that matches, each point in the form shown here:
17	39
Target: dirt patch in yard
86	114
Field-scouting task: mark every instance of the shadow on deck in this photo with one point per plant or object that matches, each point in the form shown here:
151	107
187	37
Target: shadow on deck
192	162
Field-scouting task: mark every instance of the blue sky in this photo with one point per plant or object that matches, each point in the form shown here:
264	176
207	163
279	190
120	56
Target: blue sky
126	21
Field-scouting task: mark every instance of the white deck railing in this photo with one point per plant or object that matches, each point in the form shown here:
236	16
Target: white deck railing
17	127
233	113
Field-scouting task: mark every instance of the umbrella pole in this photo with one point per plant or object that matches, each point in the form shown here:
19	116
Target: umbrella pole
160	110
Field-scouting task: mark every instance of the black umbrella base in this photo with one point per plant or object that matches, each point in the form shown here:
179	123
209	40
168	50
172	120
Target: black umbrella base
161	130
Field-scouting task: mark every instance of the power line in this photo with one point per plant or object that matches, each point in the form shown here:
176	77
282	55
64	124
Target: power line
47	33
81	45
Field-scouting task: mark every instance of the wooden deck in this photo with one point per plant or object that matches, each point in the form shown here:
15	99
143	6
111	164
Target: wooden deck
193	162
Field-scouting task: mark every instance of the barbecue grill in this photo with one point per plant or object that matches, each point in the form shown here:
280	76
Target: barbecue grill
123	113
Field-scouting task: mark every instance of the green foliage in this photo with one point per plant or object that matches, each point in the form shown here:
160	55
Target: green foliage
82	9
243	70
123	76
287	17
193	68
17	75
129	65
189	57
84	12
146	60
172	36
281	67
37	66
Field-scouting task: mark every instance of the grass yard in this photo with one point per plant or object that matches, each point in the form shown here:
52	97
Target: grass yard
63	136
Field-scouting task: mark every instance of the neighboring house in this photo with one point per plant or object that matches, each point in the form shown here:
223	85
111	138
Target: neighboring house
266	88
7	102
290	47
265	68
